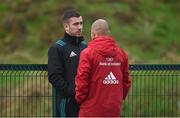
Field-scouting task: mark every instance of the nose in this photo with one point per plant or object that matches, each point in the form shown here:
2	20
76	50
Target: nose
80	26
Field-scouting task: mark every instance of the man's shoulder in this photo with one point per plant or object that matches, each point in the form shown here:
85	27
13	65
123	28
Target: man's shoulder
88	52
57	46
83	43
123	53
60	42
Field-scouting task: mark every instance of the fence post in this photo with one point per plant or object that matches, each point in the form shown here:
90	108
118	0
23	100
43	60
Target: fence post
54	102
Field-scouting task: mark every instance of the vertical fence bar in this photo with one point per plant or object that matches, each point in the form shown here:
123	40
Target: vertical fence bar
54	102
176	94
1	92
22	97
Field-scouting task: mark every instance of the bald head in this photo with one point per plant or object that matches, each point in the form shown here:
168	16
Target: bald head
99	27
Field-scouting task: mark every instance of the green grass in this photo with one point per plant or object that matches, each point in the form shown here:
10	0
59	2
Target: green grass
147	30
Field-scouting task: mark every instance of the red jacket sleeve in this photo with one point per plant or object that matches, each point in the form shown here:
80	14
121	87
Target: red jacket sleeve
82	77
126	78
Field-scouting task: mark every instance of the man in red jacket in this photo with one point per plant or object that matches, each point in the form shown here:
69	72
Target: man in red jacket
102	80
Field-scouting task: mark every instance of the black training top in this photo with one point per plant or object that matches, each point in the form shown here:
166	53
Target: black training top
63	60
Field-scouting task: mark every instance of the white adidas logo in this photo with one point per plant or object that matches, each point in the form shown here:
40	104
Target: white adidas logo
110	79
72	54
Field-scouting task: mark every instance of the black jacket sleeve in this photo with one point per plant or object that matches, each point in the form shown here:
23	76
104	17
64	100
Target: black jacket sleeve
55	70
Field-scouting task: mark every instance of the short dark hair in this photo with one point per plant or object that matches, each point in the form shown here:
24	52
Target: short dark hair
69	14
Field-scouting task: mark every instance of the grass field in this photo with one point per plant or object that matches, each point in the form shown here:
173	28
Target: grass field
147	30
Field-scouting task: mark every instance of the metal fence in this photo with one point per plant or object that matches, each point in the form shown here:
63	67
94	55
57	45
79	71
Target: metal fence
25	91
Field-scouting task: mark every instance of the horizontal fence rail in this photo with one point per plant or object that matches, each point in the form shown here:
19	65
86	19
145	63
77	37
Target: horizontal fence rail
25	91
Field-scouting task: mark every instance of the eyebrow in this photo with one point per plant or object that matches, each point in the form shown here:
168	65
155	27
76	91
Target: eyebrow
76	23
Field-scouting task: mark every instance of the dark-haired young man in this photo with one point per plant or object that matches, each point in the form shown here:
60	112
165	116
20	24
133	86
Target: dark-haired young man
63	59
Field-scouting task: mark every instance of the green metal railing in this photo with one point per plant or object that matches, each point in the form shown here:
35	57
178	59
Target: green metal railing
25	91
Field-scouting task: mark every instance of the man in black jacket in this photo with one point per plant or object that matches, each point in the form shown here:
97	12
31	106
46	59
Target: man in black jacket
63	59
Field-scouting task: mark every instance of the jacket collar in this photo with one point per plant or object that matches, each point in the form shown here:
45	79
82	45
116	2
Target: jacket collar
73	39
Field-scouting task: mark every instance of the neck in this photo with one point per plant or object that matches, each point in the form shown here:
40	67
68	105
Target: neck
73	39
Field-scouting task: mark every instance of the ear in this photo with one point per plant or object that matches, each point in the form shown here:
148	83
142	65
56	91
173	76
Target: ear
66	27
92	35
